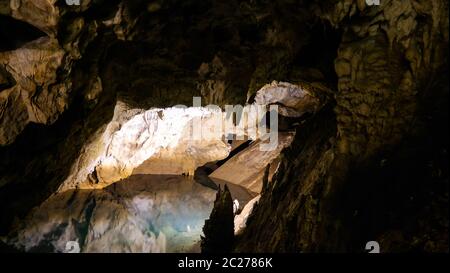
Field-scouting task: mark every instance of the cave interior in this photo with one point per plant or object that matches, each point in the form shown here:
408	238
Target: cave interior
94	148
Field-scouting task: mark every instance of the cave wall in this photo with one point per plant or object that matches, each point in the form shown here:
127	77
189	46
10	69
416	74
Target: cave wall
381	174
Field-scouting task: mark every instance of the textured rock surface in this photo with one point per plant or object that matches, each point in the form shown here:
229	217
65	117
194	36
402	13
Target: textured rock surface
160	133
41	13
95	147
223	79
40	69
390	68
293	100
37	95
383	64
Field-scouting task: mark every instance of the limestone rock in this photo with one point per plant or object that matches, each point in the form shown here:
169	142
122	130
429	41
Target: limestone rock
387	65
223	79
163	141
37	96
240	220
159	138
149	135
382	60
389	59
246	169
43	14
293	100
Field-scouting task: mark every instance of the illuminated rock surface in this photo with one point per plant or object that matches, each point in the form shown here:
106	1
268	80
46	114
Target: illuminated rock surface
158	141
240	220
162	135
246	169
294	100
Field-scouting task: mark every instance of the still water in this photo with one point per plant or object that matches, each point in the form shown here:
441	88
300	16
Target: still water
143	213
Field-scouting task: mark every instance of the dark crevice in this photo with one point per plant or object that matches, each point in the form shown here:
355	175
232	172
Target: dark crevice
14	33
82	228
234	152
6	79
321	51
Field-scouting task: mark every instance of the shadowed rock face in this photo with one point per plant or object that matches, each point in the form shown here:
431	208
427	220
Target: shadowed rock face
369	163
6	79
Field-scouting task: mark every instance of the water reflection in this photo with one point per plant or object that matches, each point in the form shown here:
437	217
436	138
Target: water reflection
143	213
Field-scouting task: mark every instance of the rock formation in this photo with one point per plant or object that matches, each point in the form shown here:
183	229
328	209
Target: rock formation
36	96
162	135
218	229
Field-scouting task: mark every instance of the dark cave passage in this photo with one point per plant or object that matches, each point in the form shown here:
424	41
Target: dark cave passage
15	33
